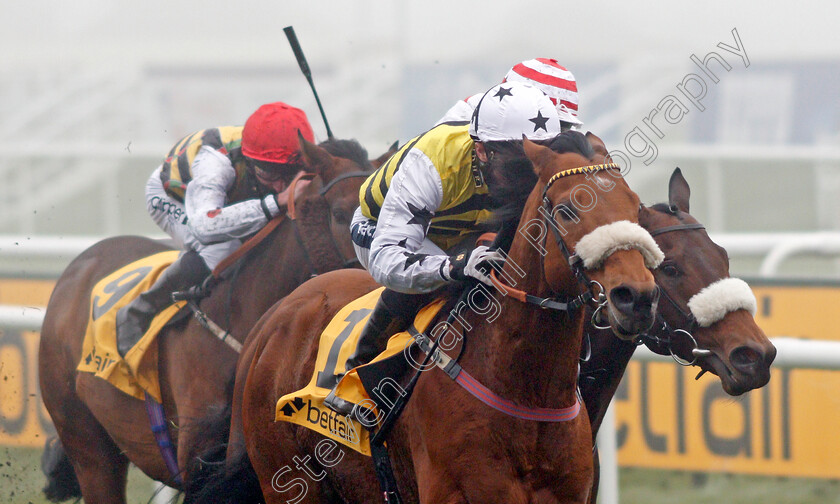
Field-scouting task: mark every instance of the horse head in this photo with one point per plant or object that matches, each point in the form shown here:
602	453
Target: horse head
709	314
598	244
327	204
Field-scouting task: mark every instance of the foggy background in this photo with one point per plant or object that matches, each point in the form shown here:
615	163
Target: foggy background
93	93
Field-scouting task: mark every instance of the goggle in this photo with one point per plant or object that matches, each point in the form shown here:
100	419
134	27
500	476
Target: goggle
268	175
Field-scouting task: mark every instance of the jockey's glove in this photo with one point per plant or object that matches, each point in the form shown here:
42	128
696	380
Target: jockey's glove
476	264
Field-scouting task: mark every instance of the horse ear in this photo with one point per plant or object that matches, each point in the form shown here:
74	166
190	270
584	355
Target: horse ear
678	191
386	156
539	155
598	146
316	159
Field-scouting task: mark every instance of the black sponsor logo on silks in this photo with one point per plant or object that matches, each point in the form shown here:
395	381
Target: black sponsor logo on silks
362	233
420	215
173	210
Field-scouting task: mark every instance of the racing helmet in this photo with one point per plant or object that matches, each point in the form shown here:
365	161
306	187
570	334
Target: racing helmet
271	133
511	110
552	79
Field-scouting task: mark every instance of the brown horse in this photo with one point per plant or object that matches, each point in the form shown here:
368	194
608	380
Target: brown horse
102	429
448	446
734	347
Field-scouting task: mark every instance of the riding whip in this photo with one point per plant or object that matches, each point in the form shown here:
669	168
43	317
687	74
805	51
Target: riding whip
304	67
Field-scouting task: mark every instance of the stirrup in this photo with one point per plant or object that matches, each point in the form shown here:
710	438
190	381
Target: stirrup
196	292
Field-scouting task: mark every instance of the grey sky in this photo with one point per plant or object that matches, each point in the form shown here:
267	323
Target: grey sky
116	32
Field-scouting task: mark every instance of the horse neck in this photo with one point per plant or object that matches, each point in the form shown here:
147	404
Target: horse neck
531	354
271	270
602	373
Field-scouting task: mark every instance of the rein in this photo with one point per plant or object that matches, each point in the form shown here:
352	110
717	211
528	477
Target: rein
193	295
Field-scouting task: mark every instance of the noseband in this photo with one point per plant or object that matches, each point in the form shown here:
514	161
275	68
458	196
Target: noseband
670	333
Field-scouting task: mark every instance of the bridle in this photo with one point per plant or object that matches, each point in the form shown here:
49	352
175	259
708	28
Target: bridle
665	334
574	261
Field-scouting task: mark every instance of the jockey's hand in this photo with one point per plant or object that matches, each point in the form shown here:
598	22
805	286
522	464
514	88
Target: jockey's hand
283	197
476	264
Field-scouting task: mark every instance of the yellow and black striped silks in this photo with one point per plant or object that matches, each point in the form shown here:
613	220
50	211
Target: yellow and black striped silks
466	202
177	173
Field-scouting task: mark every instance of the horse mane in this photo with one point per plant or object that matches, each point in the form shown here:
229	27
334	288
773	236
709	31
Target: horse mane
519	180
348	149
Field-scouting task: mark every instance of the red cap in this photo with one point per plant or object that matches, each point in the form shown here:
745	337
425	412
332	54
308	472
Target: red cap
271	133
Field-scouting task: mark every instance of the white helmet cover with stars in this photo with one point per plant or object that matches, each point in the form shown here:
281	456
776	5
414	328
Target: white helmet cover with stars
511	110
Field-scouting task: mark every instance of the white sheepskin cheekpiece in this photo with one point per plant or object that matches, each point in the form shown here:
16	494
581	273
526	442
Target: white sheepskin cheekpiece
727	295
595	247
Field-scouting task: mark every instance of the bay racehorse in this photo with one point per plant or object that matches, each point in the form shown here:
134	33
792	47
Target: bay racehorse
448	447
100	428
731	345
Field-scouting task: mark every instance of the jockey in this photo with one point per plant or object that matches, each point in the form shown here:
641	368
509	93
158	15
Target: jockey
546	75
433	193
215	187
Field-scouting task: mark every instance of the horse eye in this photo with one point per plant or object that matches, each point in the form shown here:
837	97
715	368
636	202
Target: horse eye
670	270
567	212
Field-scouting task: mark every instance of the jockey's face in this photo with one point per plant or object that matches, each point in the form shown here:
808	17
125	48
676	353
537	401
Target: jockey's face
503	167
274	176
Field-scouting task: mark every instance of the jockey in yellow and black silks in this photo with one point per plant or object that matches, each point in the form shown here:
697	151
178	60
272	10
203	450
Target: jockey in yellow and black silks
428	196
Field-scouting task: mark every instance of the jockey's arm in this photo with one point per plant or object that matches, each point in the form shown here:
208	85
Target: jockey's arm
207	216
415	193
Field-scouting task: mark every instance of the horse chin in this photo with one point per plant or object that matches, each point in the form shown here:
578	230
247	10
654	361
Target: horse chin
733	382
627	328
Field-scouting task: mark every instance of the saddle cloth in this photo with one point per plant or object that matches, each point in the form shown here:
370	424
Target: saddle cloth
338	342
138	372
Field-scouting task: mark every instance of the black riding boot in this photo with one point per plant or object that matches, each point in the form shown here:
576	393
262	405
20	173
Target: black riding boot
134	319
393	313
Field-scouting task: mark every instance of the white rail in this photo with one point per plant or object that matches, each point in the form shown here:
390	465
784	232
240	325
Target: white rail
792	353
774	247
778	247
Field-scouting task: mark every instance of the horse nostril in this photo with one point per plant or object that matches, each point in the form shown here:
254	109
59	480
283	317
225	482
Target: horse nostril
745	359
646	301
623	298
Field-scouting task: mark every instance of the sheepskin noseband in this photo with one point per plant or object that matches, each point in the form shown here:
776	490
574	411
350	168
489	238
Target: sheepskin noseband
595	247
727	295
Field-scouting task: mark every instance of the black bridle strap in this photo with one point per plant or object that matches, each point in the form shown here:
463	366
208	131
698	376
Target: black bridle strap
341	177
679	227
669	331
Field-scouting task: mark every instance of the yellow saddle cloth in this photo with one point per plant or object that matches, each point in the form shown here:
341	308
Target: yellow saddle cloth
138	372
338	342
